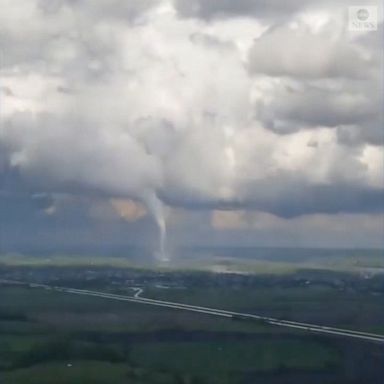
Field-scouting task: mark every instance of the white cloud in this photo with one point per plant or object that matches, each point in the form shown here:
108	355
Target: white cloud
128	99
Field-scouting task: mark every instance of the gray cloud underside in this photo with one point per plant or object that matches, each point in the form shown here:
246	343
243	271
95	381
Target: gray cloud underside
272	10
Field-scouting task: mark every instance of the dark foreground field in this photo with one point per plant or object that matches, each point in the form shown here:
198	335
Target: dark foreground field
49	337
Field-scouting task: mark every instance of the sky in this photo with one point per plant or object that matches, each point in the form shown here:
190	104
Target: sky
209	122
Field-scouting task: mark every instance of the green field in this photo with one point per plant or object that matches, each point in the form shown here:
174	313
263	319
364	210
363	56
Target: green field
231	357
48	336
55	337
315	303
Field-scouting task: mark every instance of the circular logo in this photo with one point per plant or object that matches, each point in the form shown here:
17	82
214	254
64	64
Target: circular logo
362	14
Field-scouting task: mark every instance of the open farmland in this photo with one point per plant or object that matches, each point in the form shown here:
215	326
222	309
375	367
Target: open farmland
96	340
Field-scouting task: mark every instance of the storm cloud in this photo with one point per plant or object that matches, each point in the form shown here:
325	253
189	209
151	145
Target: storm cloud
258	105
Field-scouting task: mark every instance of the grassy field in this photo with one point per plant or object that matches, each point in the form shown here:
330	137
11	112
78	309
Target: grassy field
48	337
314	303
81	372
59	338
231	357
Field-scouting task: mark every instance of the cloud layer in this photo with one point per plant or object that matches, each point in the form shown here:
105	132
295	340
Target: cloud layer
210	104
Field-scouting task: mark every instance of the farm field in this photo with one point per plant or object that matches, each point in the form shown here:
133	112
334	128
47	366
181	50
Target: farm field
47	335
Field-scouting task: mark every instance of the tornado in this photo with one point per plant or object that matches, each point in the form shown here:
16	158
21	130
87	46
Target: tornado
156	209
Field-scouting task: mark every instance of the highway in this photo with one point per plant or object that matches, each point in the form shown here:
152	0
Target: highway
217	312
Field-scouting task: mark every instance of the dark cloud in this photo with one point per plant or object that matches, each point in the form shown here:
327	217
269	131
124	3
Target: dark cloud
271	10
208	9
293	200
65	223
104	99
350	108
353	135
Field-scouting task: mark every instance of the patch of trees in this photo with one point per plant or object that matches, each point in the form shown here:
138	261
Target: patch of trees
67	350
